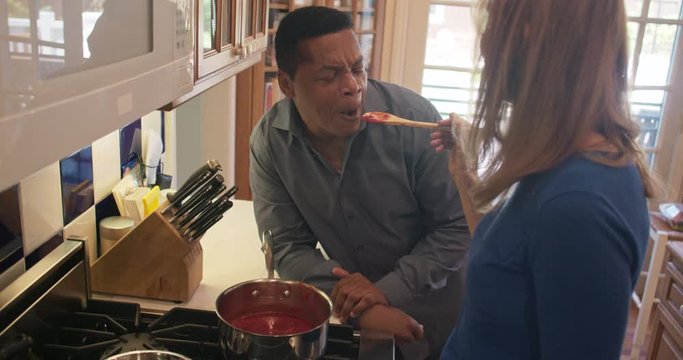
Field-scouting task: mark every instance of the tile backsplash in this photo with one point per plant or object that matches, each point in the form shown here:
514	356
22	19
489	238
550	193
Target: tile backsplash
75	173
67	198
131	143
42	214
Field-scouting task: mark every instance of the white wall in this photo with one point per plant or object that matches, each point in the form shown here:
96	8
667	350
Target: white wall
205	129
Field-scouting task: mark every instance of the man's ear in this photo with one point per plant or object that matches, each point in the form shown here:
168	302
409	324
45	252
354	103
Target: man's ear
285	83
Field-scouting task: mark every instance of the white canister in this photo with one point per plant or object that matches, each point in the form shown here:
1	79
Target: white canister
112	229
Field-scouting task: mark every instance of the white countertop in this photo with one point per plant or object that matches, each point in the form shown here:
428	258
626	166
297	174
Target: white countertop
232	254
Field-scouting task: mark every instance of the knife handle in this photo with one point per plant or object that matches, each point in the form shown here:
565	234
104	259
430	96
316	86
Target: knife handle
190	180
207	205
192	214
189	187
216	186
232	191
184	209
207	221
218	207
200	175
199	232
181	220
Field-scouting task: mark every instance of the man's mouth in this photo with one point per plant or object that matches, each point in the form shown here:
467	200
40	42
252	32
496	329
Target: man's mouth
351	113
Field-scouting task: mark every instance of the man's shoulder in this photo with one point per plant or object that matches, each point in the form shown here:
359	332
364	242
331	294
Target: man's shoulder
391	90
401	101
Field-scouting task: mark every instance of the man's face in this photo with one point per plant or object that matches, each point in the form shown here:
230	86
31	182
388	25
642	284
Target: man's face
329	85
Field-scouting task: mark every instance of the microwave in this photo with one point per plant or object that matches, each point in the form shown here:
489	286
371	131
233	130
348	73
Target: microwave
74	71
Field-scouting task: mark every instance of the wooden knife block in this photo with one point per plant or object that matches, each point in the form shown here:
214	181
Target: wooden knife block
152	261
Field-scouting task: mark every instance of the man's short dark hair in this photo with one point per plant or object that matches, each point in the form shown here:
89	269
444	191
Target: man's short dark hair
302	24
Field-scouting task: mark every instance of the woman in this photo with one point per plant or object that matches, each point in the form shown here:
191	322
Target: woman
561	183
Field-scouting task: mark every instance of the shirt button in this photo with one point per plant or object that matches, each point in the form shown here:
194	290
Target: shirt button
350	217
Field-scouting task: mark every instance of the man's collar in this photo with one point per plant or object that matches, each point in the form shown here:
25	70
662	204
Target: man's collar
290	118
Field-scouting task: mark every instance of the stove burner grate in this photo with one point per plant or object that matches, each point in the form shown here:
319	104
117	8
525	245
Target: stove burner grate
107	328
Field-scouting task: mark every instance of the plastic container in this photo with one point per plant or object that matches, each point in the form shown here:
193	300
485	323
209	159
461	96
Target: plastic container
112	229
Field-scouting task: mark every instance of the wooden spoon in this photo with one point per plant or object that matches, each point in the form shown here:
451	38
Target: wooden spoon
389	119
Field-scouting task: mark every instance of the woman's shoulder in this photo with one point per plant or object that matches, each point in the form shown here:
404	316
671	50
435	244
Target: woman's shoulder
583	188
581	185
582	174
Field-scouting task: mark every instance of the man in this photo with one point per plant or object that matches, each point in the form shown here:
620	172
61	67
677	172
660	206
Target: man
377	199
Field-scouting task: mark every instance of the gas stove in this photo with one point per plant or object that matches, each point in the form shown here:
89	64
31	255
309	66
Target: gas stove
107	328
48	314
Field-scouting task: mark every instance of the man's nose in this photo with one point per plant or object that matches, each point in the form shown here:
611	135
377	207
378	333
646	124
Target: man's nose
350	85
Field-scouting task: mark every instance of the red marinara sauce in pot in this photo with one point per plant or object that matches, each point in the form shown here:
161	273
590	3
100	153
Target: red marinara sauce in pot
272	323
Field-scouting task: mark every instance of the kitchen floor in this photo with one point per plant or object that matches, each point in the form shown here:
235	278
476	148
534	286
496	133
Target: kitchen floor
628	339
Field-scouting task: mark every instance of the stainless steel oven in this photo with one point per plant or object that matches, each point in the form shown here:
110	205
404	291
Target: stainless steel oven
48	314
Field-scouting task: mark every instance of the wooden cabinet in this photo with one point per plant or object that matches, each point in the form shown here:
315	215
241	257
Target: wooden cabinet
230	36
255	13
650	283
228	31
217	36
667	335
258	89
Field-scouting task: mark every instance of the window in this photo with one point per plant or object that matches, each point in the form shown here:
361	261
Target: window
654	31
448	77
441	43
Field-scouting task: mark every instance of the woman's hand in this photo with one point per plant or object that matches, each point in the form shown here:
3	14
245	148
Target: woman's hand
450	135
442	138
450	131
391	320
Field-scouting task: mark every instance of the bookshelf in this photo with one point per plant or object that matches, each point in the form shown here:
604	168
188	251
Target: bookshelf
257	88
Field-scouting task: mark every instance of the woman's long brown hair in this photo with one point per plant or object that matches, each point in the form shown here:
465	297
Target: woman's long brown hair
555	71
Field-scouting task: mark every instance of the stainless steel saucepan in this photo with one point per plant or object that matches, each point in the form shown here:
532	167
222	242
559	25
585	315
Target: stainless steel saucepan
148	355
272	318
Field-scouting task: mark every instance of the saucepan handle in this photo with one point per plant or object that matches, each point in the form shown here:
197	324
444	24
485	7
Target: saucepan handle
267	248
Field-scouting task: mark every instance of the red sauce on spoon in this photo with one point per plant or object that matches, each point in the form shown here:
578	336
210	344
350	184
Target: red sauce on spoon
375	117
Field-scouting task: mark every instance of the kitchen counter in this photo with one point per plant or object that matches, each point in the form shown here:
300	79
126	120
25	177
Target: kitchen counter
232	254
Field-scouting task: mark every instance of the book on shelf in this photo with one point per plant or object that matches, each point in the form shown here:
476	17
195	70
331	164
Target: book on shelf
273	94
268	100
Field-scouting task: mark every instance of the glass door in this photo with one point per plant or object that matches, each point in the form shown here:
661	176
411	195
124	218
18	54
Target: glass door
254	25
216	41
